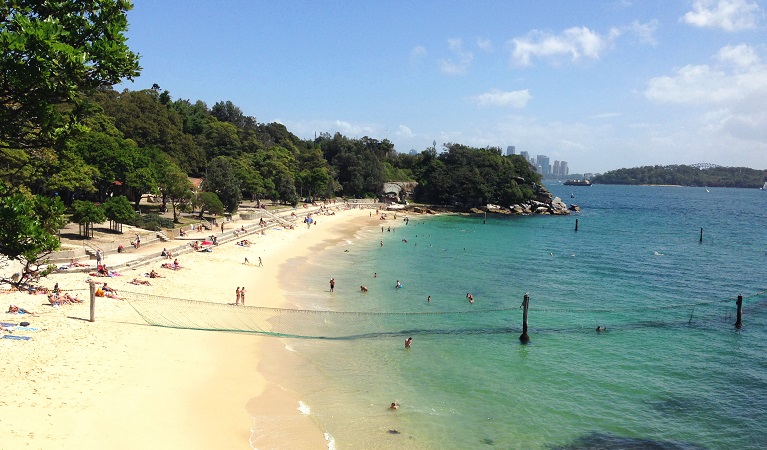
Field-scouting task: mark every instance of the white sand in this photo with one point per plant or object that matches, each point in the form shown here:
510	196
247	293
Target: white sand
119	383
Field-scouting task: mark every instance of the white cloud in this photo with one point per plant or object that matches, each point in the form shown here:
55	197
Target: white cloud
404	132
644	31
608	115
417	53
356	130
462	61
740	55
496	97
485	44
729	15
735	90
576	42
704	84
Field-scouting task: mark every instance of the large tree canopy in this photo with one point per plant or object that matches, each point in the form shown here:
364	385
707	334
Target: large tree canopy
51	52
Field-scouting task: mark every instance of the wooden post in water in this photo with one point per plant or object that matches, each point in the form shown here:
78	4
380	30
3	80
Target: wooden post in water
93	301
739	320
524	338
484	219
701	235
576	224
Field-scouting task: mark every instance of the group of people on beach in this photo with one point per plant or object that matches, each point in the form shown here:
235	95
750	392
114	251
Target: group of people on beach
240	293
173	266
56	298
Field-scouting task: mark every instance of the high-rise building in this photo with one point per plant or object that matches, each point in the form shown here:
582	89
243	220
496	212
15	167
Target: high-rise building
510	150
525	155
555	170
563	169
542	161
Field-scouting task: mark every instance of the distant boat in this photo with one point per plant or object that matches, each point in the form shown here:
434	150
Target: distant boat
764	188
577	183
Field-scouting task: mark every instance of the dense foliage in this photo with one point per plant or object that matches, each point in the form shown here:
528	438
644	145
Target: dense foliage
29	229
686	176
52	54
463	176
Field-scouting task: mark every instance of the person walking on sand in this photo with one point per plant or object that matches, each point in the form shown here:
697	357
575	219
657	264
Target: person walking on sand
332	284
259	262
242	296
237	292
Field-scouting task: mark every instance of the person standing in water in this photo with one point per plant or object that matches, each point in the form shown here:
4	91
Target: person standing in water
408	342
332	284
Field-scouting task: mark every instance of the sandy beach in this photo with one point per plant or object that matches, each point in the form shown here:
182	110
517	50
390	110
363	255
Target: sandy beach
120	383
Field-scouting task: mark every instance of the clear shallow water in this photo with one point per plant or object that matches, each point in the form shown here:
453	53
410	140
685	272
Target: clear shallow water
673	376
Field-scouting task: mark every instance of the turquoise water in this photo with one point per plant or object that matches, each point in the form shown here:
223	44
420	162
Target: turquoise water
670	370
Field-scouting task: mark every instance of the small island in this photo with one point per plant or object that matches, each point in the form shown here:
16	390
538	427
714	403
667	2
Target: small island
683	175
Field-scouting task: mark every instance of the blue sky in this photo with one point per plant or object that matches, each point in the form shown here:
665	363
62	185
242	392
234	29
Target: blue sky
600	84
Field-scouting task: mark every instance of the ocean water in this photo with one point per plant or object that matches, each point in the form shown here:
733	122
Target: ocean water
671	371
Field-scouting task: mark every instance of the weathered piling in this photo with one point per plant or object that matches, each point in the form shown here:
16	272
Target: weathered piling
576	224
739	319
524	338
93	301
701	236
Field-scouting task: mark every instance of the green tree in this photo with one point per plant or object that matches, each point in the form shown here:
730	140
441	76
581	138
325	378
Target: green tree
28	231
209	201
51	52
87	214
119	211
221	139
175	186
142	118
220	179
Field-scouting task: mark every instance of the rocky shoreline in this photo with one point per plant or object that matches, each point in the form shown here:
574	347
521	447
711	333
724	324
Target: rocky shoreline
542	204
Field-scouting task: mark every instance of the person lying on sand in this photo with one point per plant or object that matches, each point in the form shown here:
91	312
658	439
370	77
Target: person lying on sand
154	274
13	309
54	300
140	282
68	299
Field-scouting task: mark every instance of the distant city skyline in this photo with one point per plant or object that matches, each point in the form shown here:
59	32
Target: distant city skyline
604	85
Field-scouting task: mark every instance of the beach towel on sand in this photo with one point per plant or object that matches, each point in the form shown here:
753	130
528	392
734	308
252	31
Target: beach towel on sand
16	338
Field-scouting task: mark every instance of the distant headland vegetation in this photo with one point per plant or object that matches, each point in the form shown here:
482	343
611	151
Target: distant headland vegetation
683	175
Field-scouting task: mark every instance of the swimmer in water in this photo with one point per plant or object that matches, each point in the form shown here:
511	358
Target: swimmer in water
394	405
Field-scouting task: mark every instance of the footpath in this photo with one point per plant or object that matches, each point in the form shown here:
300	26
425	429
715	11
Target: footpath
83	251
